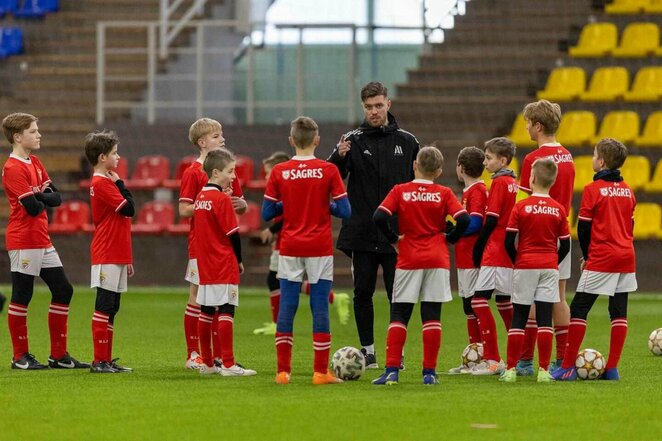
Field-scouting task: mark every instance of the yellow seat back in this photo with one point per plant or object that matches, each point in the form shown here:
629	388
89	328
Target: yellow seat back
583	172
607	83
577	128
621	125
647	220
652	135
596	39
564	84
519	135
636	171
638	39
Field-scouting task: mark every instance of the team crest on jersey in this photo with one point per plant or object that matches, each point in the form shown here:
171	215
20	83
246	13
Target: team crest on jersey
91	191
406	196
604	191
398	151
233	293
286	174
512	188
192	273
25	263
528	209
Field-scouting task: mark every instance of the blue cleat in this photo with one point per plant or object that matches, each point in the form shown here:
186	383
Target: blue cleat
389	378
555	365
561	374
524	368
610	374
430	377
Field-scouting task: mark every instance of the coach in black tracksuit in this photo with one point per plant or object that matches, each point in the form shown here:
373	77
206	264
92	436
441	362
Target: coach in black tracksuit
374	157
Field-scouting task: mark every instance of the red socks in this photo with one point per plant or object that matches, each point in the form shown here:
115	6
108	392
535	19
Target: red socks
506	311
191	328
473	329
274	299
431	343
225	333
619	330
545	337
17	318
321	346
487	328
100	336
57	327
514	349
395	341
530	336
561	333
576	333
284	343
204	334
111	331
215	338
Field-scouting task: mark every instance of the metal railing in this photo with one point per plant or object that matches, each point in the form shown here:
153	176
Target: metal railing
171	29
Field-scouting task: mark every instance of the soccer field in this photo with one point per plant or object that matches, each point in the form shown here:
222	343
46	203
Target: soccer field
161	400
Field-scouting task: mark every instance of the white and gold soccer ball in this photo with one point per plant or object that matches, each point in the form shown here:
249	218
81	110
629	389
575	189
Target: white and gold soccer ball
348	363
655	342
590	364
472	354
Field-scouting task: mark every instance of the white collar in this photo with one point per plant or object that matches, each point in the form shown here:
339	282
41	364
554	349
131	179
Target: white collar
422	181
304	158
26	161
541	195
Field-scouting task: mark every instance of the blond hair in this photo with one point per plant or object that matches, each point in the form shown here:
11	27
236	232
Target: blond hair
545	171
546	113
16	123
501	146
429	160
202	127
303	131
613	152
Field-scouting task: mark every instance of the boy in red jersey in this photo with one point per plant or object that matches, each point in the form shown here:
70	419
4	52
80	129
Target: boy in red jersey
543	119
301	189
31	253
423	265
112	261
605	231
219	263
207	135
541	223
474	198
496	268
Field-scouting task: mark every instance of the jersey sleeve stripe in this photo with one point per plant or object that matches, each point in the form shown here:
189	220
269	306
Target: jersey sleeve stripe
567	236
340	196
526	189
232	231
589	219
383	208
271	198
25	195
514	230
491	213
119	207
459	213
475	213
186	200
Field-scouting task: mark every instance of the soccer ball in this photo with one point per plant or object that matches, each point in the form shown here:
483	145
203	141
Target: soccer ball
472	355
348	363
655	342
590	364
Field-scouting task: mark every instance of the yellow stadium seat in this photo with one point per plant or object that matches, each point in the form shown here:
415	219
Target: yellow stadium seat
639	40
607	84
577	128
564	84
655	184
583	172
519	135
636	171
647	220
624	7
647	85
622	125
487	176
595	40
572	222
653	7
652	135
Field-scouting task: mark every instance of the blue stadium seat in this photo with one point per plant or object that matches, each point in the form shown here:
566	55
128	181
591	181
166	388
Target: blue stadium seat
11	42
8	6
49	5
30	9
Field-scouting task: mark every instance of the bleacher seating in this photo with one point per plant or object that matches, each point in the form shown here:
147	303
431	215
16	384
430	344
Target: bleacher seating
519	135
595	40
618	7
638	40
577	128
154	218
607	84
622	125
71	217
251	220
653	7
184	163
636	171
149	172
244	169
29	9
564	84
11	42
652	134
583	172
655	184
647	85
122	171
8	7
647	221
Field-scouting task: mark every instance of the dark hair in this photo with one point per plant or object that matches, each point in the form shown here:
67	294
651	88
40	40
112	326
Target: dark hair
16	123
501	146
613	152
303	131
276	158
472	160
99	143
217	160
373	88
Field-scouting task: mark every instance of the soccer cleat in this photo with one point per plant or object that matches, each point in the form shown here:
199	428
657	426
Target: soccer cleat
237	370
430	377
329	377
341	302
194	361
544	376
561	374
524	368
209	370
509	375
402	363
555	365
118	367
67	362
388	378
461	369
283	378
27	363
268	329
102	367
610	374
489	367
370	360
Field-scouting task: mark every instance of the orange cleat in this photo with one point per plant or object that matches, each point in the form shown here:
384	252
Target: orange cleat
325	378
282	378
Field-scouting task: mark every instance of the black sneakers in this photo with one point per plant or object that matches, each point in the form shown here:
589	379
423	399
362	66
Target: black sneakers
119	368
28	363
102	367
370	360
67	362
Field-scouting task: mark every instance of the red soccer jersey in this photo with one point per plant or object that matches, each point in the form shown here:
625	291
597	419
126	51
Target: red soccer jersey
474	199
215	220
562	189
500	203
193	179
422	207
22	178
540	222
609	206
111	242
304	184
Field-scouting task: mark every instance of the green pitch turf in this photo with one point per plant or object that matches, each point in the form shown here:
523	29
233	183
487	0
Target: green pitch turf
161	400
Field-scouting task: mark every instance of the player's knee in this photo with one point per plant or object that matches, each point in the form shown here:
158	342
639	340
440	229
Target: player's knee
544	314
486	294
466	305
520	316
105	302
430	311
401	312
207	310
581	305
618	305
272	281
22	288
226	309
63	293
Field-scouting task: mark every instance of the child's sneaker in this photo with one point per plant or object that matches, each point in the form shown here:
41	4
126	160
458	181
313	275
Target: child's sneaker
489	367
282	378
524	368
610	374
67	362
509	375
209	370
327	377
544	376
555	365
567	374
194	361
341	302
237	370
430	377
370	360
267	329
389	377
119	368
102	367
461	369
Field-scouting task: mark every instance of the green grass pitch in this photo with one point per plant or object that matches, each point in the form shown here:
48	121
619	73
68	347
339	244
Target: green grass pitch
161	400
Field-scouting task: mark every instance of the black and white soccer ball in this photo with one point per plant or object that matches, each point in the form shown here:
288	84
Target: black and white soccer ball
348	363
590	364
655	342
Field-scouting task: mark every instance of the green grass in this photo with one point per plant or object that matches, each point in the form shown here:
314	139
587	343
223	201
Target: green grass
162	401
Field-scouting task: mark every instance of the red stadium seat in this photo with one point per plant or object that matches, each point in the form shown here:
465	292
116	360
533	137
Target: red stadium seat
180	228
249	221
154	218
122	171
244	169
258	184
71	217
149	172
179	172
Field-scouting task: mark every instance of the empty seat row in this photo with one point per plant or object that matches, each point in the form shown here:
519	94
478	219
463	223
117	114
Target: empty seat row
579	128
623	7
636	172
639	40
28	8
607	84
647	221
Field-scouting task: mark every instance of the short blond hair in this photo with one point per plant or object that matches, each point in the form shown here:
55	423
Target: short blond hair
16	123
202	127
501	146
276	158
546	113
303	131
613	152
429	160
545	170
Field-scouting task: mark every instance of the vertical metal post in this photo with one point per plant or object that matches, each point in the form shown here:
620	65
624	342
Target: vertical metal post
250	82
101	72
151	71
301	86
199	70
163	41
371	40
352	78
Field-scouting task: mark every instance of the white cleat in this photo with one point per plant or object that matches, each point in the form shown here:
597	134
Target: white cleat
194	361
237	370
489	367
209	370
462	369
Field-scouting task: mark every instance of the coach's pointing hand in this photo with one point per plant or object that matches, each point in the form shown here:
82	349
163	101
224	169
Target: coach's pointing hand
343	146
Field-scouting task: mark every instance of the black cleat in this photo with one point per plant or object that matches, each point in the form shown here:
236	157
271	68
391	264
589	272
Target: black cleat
119	368
28	363
370	360
67	362
102	367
